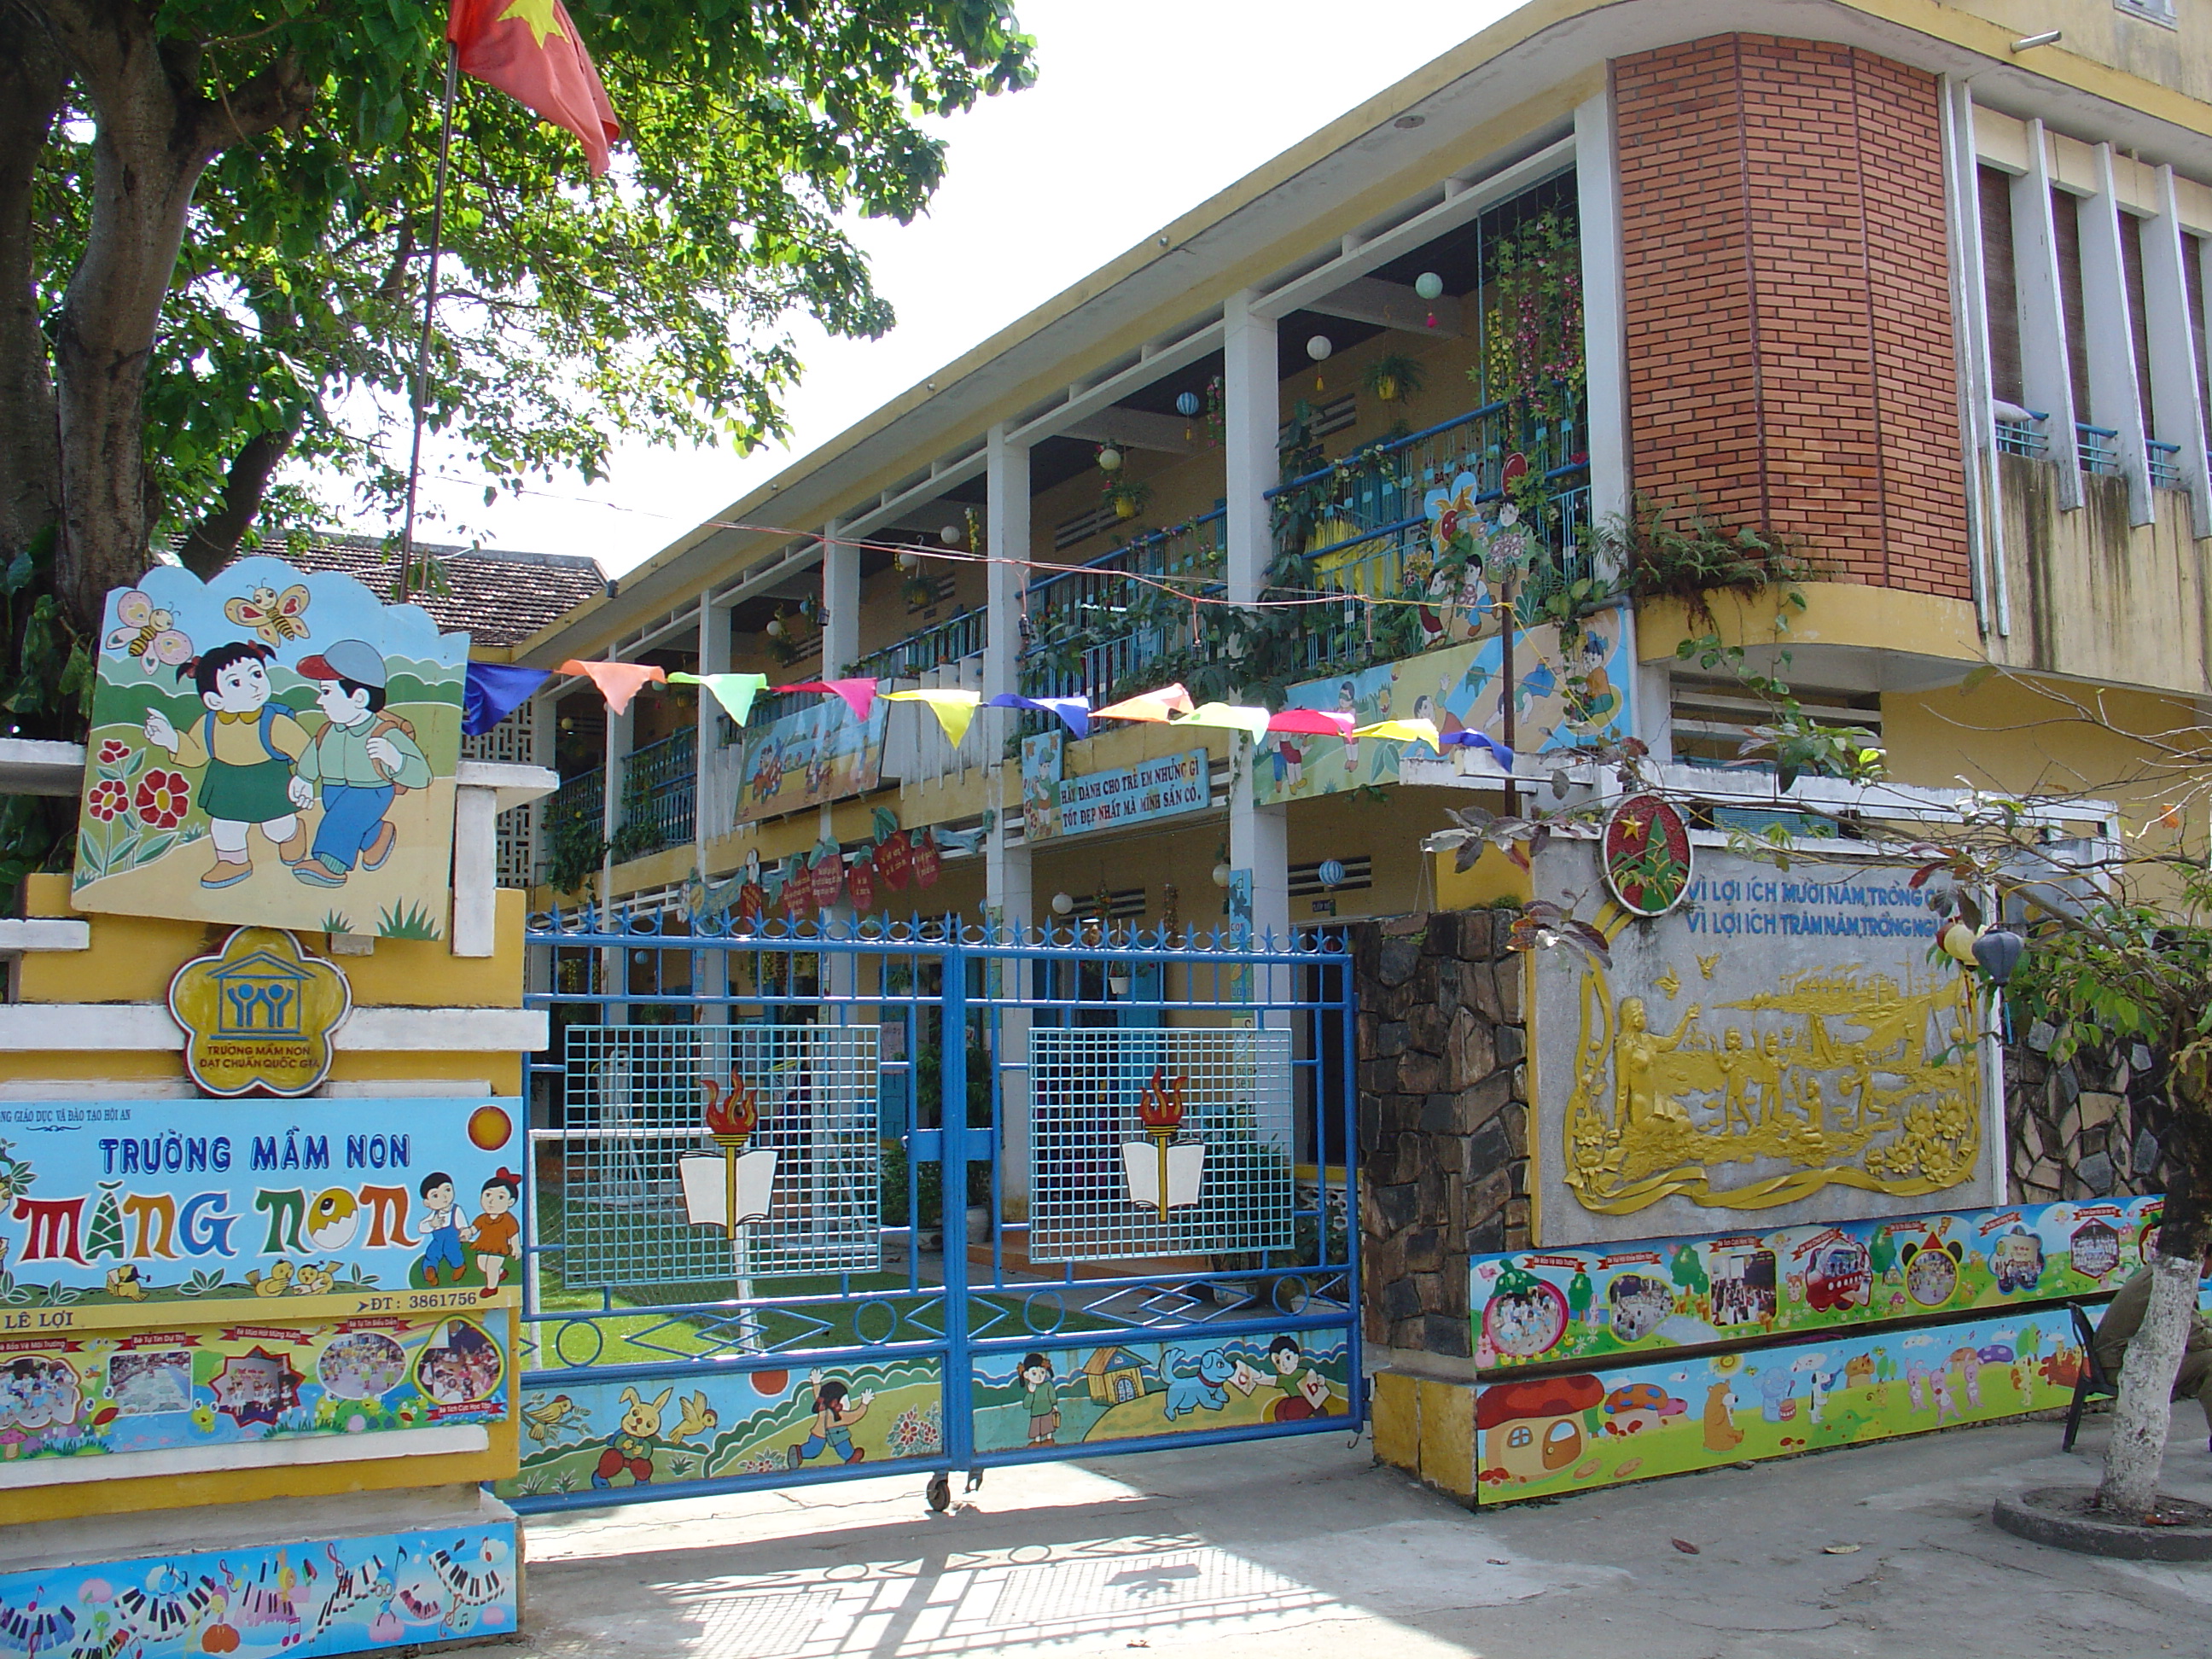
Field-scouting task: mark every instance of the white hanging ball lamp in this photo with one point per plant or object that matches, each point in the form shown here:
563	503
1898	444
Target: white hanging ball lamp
1062	904
950	534
1109	458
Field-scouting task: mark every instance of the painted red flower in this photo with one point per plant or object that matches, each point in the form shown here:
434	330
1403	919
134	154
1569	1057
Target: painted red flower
163	798
115	751
108	801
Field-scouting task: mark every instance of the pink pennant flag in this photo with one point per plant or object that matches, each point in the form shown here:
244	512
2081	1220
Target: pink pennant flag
1156	706
859	695
618	682
1313	722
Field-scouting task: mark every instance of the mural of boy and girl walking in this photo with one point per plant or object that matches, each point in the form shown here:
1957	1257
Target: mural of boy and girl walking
294	704
495	1234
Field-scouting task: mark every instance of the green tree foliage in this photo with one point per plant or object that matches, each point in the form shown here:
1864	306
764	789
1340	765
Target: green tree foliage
234	196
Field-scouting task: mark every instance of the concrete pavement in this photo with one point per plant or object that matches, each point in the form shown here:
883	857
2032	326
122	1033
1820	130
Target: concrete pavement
1303	1546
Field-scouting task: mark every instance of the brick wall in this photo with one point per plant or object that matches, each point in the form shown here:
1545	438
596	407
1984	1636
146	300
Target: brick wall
1788	315
1444	1118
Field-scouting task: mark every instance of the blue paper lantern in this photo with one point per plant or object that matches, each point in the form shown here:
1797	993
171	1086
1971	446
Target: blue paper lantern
1187	404
1331	872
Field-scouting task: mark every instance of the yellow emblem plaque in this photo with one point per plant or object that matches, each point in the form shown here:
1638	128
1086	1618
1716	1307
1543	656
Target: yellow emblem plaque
259	1014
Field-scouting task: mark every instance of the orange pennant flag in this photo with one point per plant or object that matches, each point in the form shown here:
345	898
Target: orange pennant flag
1156	706
618	682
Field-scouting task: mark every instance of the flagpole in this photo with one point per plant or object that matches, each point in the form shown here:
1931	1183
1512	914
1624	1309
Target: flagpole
429	311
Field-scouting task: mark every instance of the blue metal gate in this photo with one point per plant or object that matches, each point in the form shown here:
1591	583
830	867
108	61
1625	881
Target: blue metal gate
807	1203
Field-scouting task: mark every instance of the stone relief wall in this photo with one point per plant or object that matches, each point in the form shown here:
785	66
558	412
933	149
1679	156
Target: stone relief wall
1443	1118
2087	1128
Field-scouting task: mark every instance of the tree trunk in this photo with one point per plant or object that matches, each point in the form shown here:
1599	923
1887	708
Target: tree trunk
2143	1411
31	85
2142	1414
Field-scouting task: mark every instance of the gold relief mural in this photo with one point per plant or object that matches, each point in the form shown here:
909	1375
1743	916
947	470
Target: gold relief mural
1842	1075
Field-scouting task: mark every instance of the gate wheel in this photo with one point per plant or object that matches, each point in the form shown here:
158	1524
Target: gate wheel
940	1495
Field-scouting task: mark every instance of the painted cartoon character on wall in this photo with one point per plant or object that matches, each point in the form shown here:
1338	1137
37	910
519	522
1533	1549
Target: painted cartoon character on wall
631	1446
1777	1396
832	1428
1039	1398
2017	1260
1196	1381
1304	1394
498	1235
441	1228
249	747
361	758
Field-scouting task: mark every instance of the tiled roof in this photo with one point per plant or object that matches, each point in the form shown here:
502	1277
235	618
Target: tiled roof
499	598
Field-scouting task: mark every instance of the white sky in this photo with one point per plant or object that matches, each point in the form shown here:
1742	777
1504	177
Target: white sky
1142	109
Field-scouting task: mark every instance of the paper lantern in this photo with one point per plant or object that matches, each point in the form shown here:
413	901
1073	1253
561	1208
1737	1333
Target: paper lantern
1222	874
1429	285
1062	904
1998	951
950	534
1318	347
1187	404
1109	458
1331	872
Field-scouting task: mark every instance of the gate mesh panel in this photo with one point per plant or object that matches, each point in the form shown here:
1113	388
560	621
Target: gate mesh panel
634	1105
1085	1088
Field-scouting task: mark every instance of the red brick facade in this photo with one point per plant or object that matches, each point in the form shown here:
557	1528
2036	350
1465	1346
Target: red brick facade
1788	314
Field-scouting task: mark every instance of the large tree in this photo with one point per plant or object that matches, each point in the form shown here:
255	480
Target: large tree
214	232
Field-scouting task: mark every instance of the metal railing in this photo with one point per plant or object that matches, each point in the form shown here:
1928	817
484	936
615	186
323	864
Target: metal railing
2163	463
2019	432
2097	448
660	789
1371	536
1079	644
963	636
578	806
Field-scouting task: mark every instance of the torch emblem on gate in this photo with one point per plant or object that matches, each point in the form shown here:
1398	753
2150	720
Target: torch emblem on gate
1163	1173
731	1186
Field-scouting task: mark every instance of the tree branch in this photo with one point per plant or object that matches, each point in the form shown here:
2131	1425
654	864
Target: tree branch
209	544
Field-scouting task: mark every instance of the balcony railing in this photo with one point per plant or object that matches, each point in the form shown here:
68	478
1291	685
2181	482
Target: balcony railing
2098	449
1369	535
660	786
2163	462
2020	432
963	636
1092	628
575	812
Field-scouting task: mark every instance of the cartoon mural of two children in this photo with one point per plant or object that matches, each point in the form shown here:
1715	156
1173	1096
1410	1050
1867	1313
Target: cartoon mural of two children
264	767
497	1234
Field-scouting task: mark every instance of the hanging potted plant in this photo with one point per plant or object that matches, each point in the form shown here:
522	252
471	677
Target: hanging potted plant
1392	378
783	638
914	583
1128	496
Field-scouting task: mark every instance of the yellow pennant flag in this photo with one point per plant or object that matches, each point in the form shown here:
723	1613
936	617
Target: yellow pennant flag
954	709
1403	731
1230	717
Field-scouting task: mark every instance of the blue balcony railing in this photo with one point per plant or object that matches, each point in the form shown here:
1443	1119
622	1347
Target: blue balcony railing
577	810
660	784
948	641
2097	448
1368	536
1087	631
2020	432
2163	462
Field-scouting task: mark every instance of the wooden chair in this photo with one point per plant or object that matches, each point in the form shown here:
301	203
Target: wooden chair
2094	1380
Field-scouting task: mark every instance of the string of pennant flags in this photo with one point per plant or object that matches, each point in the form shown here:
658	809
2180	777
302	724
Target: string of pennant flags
495	689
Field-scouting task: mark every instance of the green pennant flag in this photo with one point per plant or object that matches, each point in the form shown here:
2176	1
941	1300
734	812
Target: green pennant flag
735	692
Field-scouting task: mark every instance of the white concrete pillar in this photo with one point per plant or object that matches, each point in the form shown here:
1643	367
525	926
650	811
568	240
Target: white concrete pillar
1259	837
840	602
2045	356
1007	892
614	962
476	872
2115	390
1605	332
710	969
2175	406
1969	320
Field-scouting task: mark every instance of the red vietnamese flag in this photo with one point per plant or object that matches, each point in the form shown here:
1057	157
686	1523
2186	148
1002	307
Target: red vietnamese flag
530	50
